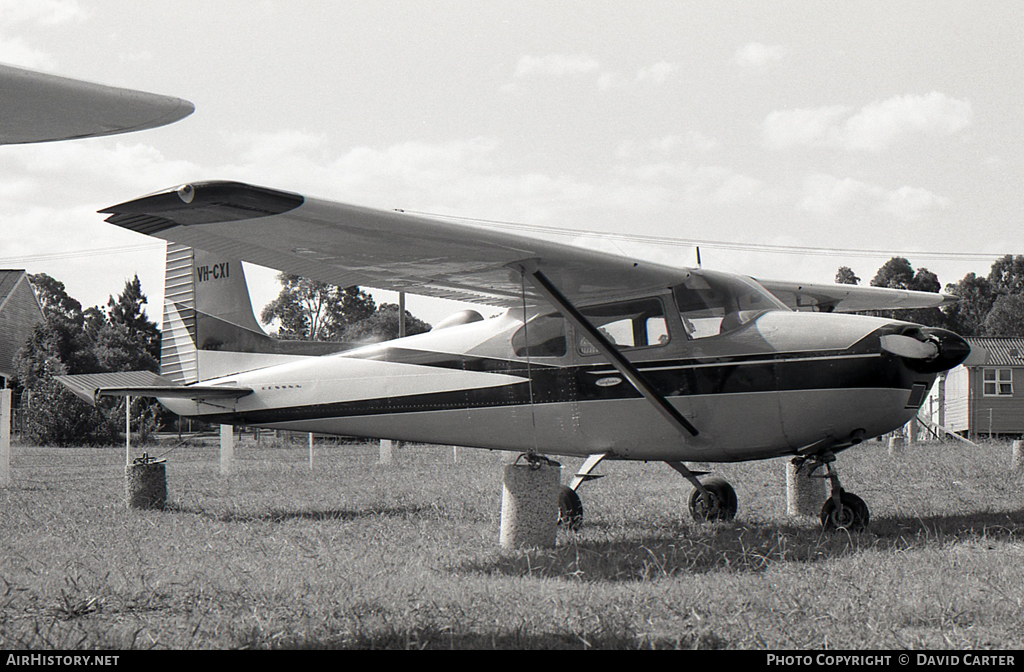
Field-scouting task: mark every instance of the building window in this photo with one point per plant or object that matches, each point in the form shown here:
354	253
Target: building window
998	382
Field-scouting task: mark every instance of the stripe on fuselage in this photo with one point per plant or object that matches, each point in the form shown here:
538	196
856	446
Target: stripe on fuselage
759	373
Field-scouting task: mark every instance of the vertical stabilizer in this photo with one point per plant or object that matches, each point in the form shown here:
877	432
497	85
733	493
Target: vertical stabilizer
209	327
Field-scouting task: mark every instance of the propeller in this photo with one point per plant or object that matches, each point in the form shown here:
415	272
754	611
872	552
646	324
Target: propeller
910	347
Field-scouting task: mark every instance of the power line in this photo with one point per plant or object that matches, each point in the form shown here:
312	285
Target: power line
722	244
71	254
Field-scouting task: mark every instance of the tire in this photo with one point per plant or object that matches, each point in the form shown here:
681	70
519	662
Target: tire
570	508
852	513
723	501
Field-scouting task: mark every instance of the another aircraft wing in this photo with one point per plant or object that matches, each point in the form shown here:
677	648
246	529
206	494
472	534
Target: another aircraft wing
38	107
851	298
90	387
350	245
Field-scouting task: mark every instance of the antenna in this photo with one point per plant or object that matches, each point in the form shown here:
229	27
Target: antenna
698	255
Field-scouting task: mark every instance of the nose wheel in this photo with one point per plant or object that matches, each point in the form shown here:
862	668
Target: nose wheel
850	513
842	510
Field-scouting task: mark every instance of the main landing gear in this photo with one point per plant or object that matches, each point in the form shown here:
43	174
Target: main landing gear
712	500
715	500
842	510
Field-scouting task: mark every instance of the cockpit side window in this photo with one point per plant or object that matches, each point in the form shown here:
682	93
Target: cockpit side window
711	304
541	336
627	324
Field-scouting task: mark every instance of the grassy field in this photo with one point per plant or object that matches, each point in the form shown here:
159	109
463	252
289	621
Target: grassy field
356	554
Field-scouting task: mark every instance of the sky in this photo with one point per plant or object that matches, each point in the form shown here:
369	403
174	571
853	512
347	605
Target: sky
852	131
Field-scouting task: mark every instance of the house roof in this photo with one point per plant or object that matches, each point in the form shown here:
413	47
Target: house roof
19	313
998	351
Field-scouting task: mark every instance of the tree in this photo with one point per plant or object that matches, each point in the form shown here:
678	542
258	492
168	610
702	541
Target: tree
54	299
315	311
1007	275
127	314
846	276
976	296
898	273
124	338
73	341
383	326
1006	317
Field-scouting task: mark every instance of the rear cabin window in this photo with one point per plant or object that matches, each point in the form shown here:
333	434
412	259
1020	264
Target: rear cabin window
541	336
627	324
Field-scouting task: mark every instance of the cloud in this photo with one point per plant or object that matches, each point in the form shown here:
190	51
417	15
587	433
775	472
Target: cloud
658	72
16	14
910	203
874	128
828	196
692	141
556	65
880	124
756	55
88	171
575	65
786	128
607	81
16	51
41	12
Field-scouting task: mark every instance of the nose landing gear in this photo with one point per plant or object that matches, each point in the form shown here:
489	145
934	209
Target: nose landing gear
842	510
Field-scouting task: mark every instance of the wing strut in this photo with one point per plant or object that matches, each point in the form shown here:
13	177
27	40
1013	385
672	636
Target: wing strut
606	348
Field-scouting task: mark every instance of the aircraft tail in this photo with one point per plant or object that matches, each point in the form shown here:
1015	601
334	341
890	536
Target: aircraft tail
209	328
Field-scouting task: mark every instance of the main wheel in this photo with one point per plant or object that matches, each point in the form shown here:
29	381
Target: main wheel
570	508
723	503
851	514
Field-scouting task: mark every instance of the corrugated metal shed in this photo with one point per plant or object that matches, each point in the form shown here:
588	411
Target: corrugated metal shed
999	351
19	314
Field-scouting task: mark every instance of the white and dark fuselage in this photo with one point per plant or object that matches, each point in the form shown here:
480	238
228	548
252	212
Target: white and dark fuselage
779	382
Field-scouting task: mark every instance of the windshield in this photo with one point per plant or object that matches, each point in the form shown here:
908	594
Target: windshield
715	303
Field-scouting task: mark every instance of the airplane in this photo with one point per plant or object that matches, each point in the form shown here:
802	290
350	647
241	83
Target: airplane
40	107
597	355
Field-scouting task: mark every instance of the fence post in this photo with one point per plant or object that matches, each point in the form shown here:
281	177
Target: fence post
227	449
5	437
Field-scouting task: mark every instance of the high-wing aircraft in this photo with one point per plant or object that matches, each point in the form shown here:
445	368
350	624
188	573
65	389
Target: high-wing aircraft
596	355
39	107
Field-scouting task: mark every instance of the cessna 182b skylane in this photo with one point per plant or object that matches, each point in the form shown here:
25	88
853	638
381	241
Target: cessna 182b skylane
597	355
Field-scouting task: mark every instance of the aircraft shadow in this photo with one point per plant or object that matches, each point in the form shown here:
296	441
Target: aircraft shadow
435	638
280	516
741	546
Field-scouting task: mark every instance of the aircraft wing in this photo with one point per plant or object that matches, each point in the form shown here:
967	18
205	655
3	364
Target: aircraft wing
851	298
38	107
351	245
90	387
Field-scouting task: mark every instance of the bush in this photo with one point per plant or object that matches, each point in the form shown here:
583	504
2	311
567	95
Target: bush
56	417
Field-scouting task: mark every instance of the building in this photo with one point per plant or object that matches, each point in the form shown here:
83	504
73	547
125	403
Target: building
20	312
984	396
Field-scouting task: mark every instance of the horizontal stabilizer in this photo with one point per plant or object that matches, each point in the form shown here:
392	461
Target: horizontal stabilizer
92	386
